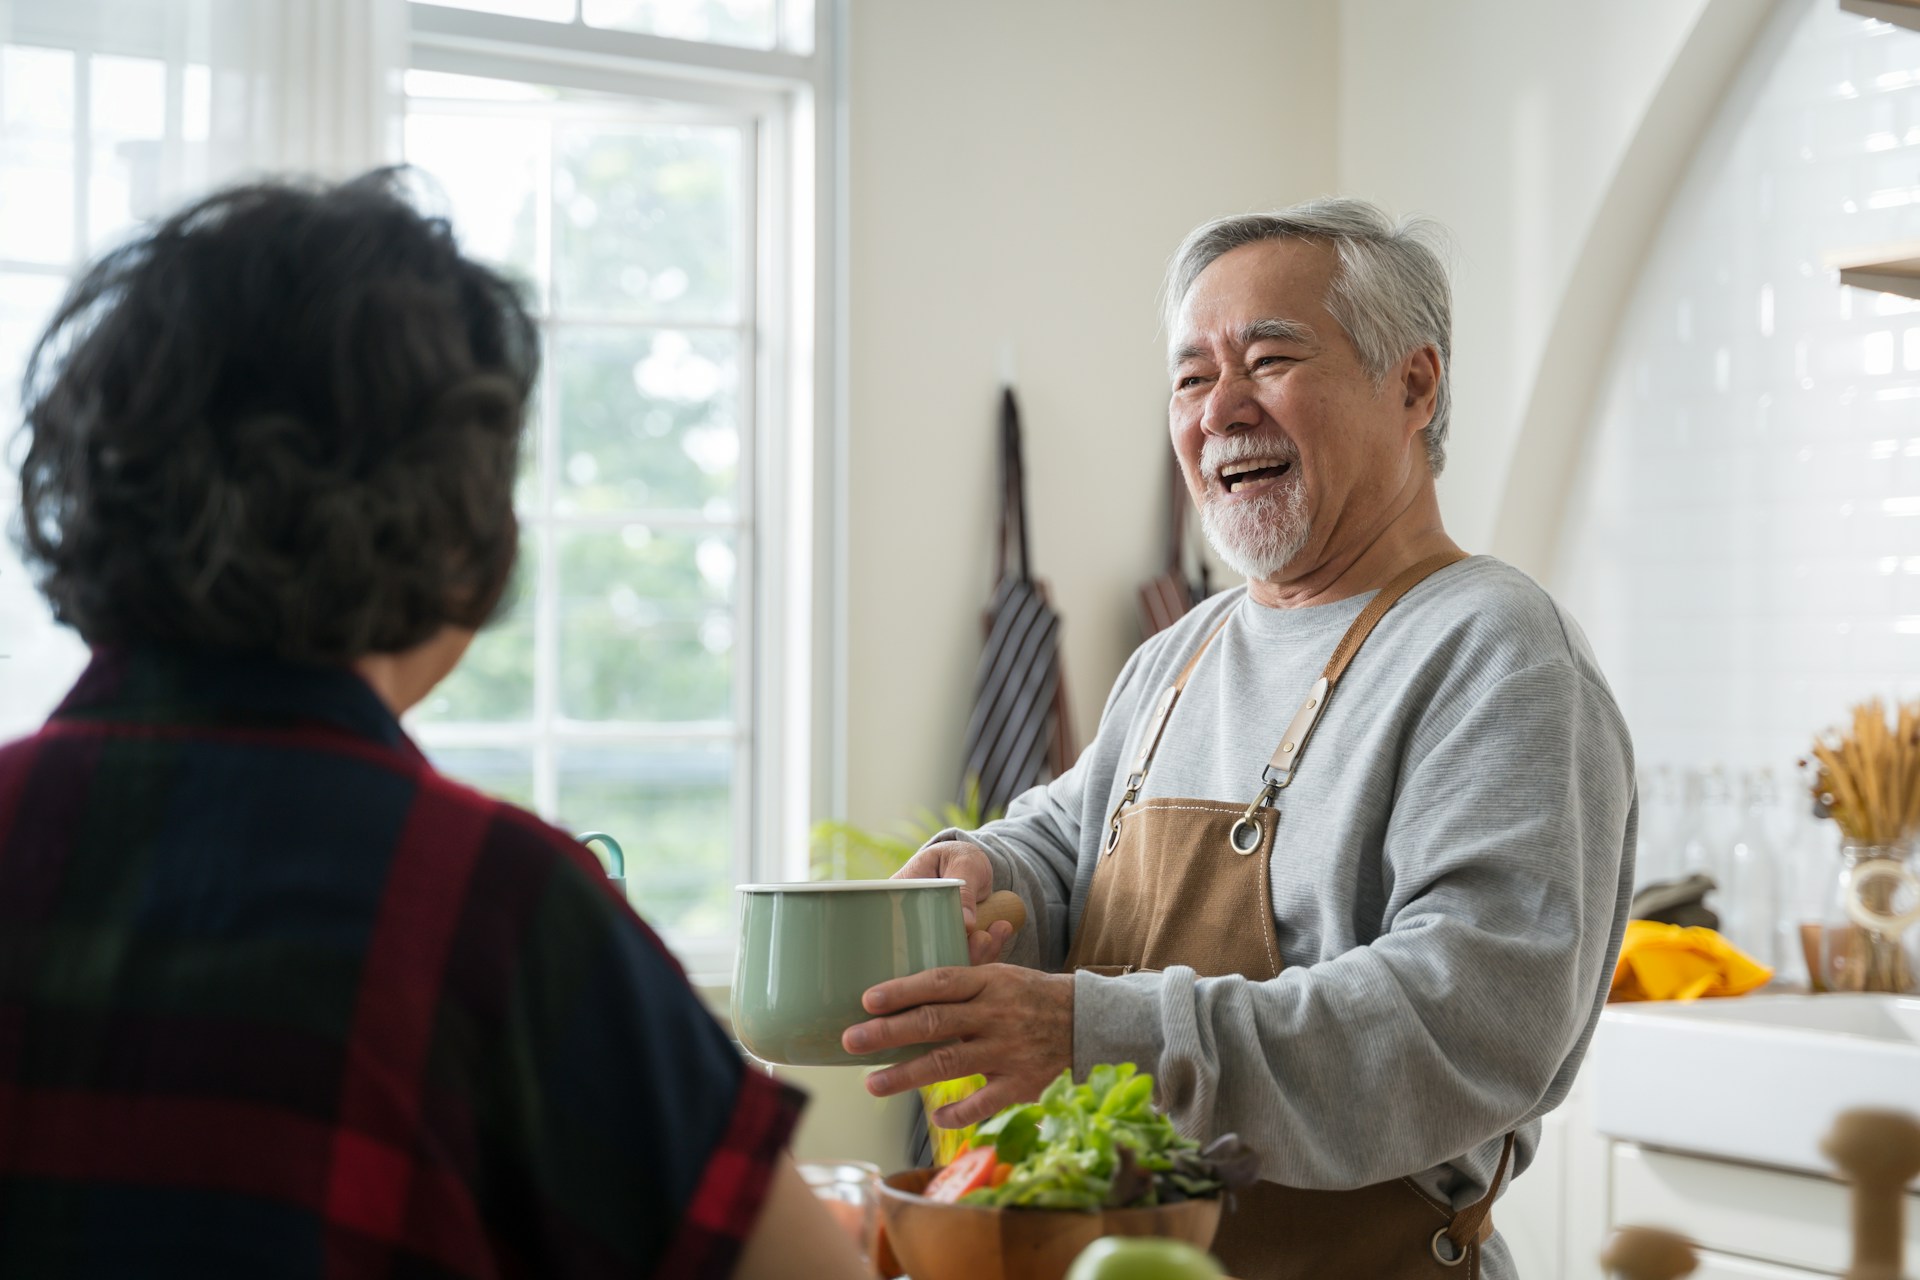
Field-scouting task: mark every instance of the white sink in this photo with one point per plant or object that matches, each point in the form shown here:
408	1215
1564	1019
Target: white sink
1756	1078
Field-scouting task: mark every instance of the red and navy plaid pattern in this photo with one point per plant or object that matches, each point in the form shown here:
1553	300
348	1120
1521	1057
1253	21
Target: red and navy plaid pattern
277	999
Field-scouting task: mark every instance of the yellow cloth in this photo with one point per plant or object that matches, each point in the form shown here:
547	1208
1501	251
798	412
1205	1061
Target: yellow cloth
1668	962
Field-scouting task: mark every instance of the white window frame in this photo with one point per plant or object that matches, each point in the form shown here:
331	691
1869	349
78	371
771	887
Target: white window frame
791	532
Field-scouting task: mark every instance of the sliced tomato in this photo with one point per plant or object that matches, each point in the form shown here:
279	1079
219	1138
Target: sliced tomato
970	1171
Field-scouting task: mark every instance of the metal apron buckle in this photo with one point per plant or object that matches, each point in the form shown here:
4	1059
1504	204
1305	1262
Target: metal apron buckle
1135	781
1244	835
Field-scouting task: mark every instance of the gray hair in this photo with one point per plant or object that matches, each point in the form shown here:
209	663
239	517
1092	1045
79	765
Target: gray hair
1390	292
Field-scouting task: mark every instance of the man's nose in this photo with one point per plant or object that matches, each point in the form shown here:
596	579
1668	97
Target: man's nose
1230	406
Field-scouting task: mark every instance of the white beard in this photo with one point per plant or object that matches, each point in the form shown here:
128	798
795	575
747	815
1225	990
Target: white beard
1259	538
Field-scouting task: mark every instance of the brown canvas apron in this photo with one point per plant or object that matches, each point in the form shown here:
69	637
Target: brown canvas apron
1186	882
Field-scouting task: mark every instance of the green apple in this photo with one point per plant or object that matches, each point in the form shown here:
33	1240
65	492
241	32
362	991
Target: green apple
1142	1258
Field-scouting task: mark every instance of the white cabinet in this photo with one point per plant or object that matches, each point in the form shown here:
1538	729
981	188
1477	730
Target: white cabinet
1720	1266
1792	1219
1751	1222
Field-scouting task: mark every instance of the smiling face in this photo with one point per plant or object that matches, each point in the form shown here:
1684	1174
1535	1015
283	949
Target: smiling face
1292	453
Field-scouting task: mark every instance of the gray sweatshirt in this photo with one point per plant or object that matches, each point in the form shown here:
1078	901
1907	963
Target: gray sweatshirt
1450	880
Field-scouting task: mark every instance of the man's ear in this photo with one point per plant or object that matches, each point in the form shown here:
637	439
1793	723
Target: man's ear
1420	385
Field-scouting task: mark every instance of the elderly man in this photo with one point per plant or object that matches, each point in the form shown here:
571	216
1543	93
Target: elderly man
1348	862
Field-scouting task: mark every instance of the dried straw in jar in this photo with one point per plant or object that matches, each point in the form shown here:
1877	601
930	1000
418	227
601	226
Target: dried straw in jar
1868	779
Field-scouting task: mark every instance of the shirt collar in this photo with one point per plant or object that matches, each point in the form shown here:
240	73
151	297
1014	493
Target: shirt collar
155	686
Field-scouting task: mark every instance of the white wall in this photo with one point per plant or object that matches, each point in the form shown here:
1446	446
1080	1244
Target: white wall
1020	172
1521	126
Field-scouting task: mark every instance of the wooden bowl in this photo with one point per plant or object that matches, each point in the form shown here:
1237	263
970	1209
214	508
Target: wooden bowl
938	1241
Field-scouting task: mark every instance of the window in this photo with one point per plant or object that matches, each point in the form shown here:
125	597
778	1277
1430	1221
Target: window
92	120
657	172
651	678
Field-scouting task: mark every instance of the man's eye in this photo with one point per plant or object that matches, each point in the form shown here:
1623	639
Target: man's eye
1191	380
1271	360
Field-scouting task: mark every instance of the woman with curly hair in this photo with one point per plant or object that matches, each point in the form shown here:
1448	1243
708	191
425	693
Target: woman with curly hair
276	998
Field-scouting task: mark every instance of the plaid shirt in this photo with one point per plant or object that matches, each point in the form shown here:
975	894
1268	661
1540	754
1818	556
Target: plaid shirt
277	999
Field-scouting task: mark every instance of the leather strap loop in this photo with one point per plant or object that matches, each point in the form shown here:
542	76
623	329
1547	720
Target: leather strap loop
1473	1224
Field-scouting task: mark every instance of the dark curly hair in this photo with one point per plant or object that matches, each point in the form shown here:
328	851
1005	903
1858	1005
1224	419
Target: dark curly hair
287	421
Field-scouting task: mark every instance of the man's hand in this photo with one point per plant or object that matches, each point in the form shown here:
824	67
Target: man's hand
958	860
1012	1025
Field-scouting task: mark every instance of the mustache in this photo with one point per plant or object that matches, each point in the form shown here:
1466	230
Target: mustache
1218	451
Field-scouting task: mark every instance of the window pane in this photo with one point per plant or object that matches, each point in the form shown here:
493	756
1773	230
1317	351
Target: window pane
38	657
490	167
447	84
128	114
741	22
671	808
494	681
36	153
506	772
649	420
26	304
646	624
647	220
550	10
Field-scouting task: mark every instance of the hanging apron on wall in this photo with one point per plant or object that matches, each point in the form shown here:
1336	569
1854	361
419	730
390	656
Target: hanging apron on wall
1166	599
1185	881
1019	734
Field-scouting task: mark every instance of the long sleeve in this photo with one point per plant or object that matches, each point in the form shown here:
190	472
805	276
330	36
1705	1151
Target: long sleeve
1505	901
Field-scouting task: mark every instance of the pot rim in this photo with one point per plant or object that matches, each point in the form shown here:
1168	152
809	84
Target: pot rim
841	886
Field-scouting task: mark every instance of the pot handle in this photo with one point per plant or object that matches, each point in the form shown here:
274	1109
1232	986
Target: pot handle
1003	905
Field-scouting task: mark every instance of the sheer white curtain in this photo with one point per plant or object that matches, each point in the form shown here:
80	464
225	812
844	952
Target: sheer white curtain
112	113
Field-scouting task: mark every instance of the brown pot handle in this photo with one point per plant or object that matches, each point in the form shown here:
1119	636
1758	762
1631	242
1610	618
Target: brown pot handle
1003	905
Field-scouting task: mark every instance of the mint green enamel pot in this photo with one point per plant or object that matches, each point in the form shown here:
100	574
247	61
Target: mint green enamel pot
808	952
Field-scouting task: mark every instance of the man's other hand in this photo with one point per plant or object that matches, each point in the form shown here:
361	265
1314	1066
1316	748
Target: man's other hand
958	860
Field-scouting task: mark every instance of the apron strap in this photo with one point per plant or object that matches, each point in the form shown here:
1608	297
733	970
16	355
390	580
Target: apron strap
1377	609
1150	741
1286	757
1279	771
1473	1224
1244	835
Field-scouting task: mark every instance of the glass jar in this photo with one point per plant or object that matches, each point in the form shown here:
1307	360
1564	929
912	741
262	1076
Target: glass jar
1871	933
848	1190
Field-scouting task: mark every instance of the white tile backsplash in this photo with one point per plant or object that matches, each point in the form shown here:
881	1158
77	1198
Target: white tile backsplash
1743	540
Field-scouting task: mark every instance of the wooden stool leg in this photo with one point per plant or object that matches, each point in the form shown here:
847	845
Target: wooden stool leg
1879	1152
1647	1253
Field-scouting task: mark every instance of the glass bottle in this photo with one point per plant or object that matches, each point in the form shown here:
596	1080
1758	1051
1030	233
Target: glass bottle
1656	857
1871	933
1749	877
1709	834
1689	827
